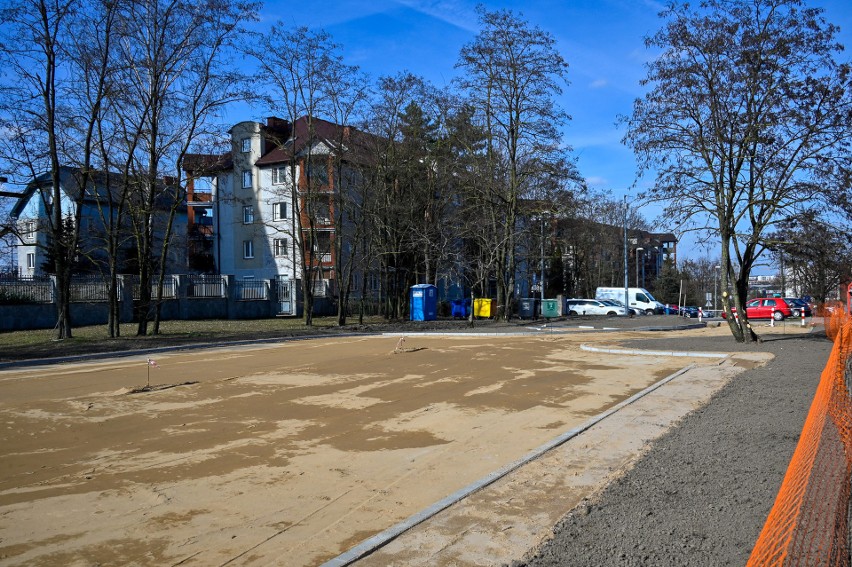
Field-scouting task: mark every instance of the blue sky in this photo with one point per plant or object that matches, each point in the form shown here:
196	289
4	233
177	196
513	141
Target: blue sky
602	41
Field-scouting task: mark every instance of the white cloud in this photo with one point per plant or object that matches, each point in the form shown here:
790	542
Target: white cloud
597	181
598	84
459	13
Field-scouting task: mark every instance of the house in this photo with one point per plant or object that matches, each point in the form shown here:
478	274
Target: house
32	214
251	207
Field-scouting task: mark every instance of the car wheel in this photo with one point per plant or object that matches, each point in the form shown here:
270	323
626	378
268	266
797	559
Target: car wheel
611	314
778	316
649	312
572	312
796	313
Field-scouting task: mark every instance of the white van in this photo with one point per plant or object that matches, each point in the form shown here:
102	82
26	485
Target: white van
638	298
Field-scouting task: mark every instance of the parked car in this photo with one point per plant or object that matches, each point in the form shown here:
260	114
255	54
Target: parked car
671	309
798	305
592	307
688	311
767	308
618	303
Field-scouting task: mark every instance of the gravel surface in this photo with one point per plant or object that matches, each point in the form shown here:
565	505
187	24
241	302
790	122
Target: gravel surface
701	494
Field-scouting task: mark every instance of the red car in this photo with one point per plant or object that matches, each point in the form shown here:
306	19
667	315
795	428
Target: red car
767	308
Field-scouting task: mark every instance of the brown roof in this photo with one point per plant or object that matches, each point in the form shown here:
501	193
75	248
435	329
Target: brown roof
324	131
207	163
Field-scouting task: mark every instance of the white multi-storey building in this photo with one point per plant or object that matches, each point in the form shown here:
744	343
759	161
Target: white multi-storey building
251	207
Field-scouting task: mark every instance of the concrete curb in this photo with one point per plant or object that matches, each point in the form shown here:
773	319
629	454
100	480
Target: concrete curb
637	352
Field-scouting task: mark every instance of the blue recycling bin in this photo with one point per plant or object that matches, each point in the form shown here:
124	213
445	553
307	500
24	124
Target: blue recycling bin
460	308
423	302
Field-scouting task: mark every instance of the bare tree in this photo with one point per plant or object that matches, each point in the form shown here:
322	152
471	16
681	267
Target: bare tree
347	96
513	74
747	118
51	121
177	73
815	256
398	166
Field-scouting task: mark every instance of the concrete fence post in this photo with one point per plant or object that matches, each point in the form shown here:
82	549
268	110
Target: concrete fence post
182	292
231	294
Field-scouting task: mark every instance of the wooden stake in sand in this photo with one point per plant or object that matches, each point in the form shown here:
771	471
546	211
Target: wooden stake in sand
151	362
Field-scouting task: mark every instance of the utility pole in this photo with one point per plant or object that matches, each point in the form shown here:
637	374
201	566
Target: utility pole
626	283
638	253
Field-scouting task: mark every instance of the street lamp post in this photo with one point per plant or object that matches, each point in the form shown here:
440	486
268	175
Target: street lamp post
715	286
638	255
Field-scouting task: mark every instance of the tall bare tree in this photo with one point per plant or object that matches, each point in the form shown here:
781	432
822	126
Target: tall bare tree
178	63
513	73
51	119
304	69
393	180
747	118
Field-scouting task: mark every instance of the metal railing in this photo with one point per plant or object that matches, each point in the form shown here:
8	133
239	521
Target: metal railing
205	286
19	289
250	289
169	288
89	288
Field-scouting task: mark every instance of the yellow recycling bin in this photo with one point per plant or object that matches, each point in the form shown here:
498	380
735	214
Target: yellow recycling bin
482	308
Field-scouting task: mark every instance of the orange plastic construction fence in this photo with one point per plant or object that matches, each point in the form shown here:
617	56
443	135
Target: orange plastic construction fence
808	523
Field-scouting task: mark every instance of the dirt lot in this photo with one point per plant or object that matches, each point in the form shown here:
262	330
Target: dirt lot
297	450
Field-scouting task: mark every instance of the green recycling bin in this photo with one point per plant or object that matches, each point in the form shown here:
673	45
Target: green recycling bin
550	308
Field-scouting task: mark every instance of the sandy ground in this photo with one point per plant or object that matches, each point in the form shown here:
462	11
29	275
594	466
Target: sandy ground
293	453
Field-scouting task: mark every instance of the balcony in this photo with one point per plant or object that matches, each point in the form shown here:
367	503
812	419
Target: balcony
199	198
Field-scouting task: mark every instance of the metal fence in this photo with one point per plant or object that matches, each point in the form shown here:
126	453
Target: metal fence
89	288
169	287
205	286
26	289
250	289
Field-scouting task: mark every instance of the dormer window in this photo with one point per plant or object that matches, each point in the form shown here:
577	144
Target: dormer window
245	145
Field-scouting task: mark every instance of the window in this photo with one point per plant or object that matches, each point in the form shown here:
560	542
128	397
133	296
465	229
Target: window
279	175
318	173
248	248
247	179
30	260
245	145
279	211
248	214
29	232
279	245
322	246
375	282
321	209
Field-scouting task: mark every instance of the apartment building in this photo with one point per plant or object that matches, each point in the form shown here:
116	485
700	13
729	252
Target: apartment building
251	207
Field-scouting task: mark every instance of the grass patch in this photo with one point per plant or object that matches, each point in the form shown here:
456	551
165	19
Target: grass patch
22	345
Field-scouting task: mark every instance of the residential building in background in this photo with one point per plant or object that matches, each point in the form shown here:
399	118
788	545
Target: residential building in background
251	207
33	213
